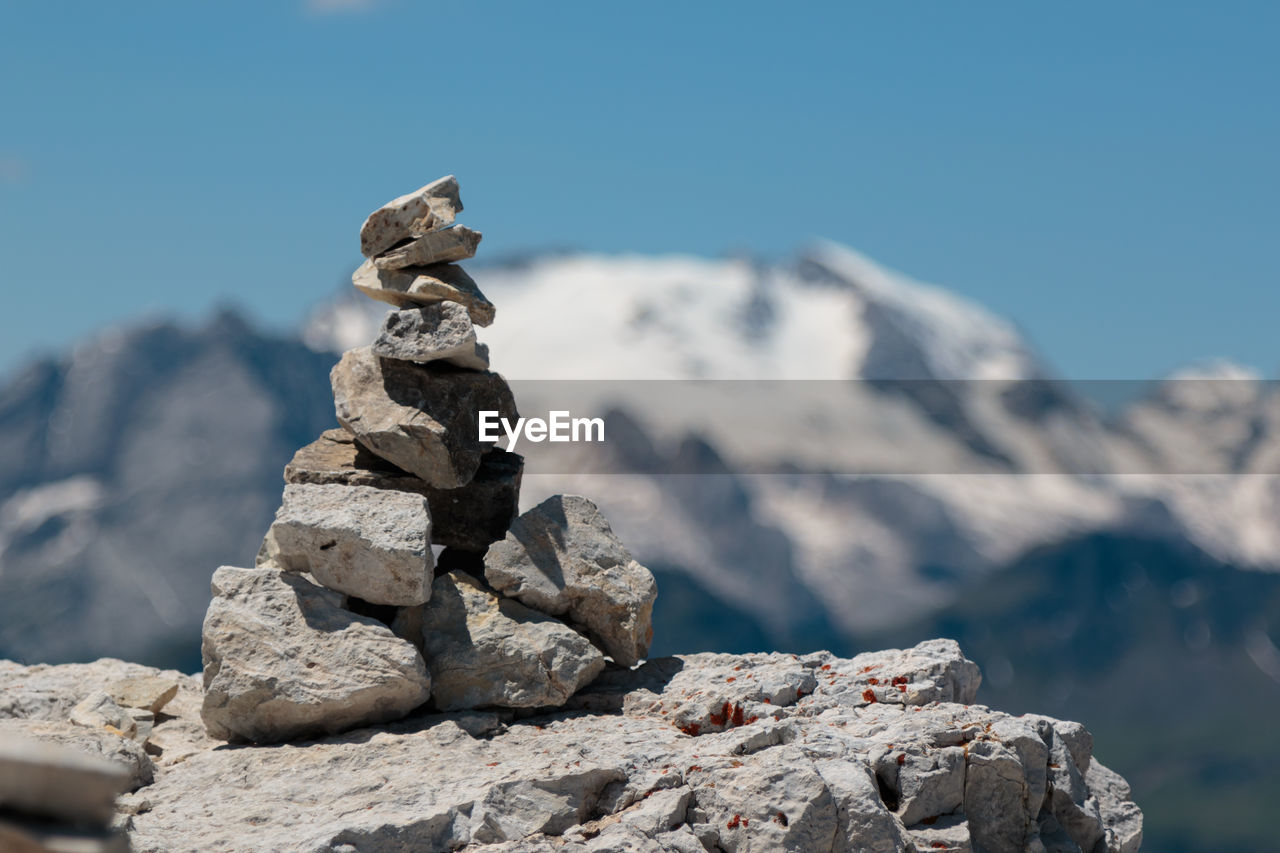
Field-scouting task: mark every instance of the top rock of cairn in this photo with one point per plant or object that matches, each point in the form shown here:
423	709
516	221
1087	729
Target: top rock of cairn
349	618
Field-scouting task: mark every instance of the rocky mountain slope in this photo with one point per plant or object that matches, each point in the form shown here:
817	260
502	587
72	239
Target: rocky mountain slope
765	752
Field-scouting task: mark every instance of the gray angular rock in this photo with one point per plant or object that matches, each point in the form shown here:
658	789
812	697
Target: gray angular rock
413	286
439	332
420	212
374	544
57	781
284	660
99	711
469	517
562	558
449	244
484	650
421	418
99	743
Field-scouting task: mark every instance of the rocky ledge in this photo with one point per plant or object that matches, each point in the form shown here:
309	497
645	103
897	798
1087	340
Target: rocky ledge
883	752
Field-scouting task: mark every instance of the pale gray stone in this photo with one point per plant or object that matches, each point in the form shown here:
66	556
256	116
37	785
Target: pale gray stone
562	558
420	212
99	711
149	692
1121	817
284	660
485	650
55	780
469	518
427	285
374	544
439	332
436	247
423	419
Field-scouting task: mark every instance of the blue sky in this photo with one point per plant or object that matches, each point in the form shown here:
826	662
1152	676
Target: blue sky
1103	174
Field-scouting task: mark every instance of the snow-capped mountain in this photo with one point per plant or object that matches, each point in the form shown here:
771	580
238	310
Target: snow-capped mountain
954	452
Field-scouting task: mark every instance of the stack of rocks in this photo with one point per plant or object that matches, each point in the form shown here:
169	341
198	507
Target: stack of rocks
350	617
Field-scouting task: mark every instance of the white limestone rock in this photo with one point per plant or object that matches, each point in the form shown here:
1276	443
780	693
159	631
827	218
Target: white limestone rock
284	660
436	247
413	286
423	419
420	212
484	650
562	558
439	332
372	543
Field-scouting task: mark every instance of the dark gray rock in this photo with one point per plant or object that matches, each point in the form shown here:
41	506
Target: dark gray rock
423	419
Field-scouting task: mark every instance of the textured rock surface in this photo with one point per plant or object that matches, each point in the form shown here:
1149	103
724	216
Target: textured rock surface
486	650
439	332
56	780
824	768
437	247
421	418
283	659
374	544
99	711
469	517
415	286
562	558
419	212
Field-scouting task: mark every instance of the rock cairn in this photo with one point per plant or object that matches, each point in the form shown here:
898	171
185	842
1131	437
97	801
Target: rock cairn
348	617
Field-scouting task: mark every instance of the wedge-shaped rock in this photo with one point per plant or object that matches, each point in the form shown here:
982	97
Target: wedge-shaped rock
562	558
422	418
374	544
146	691
487	650
439	332
438	247
284	660
470	517
420	212
60	782
414	286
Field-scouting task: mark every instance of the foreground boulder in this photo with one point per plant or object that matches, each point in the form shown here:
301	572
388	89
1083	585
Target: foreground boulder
469	517
374	544
562	558
421	418
484	650
283	659
838	759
